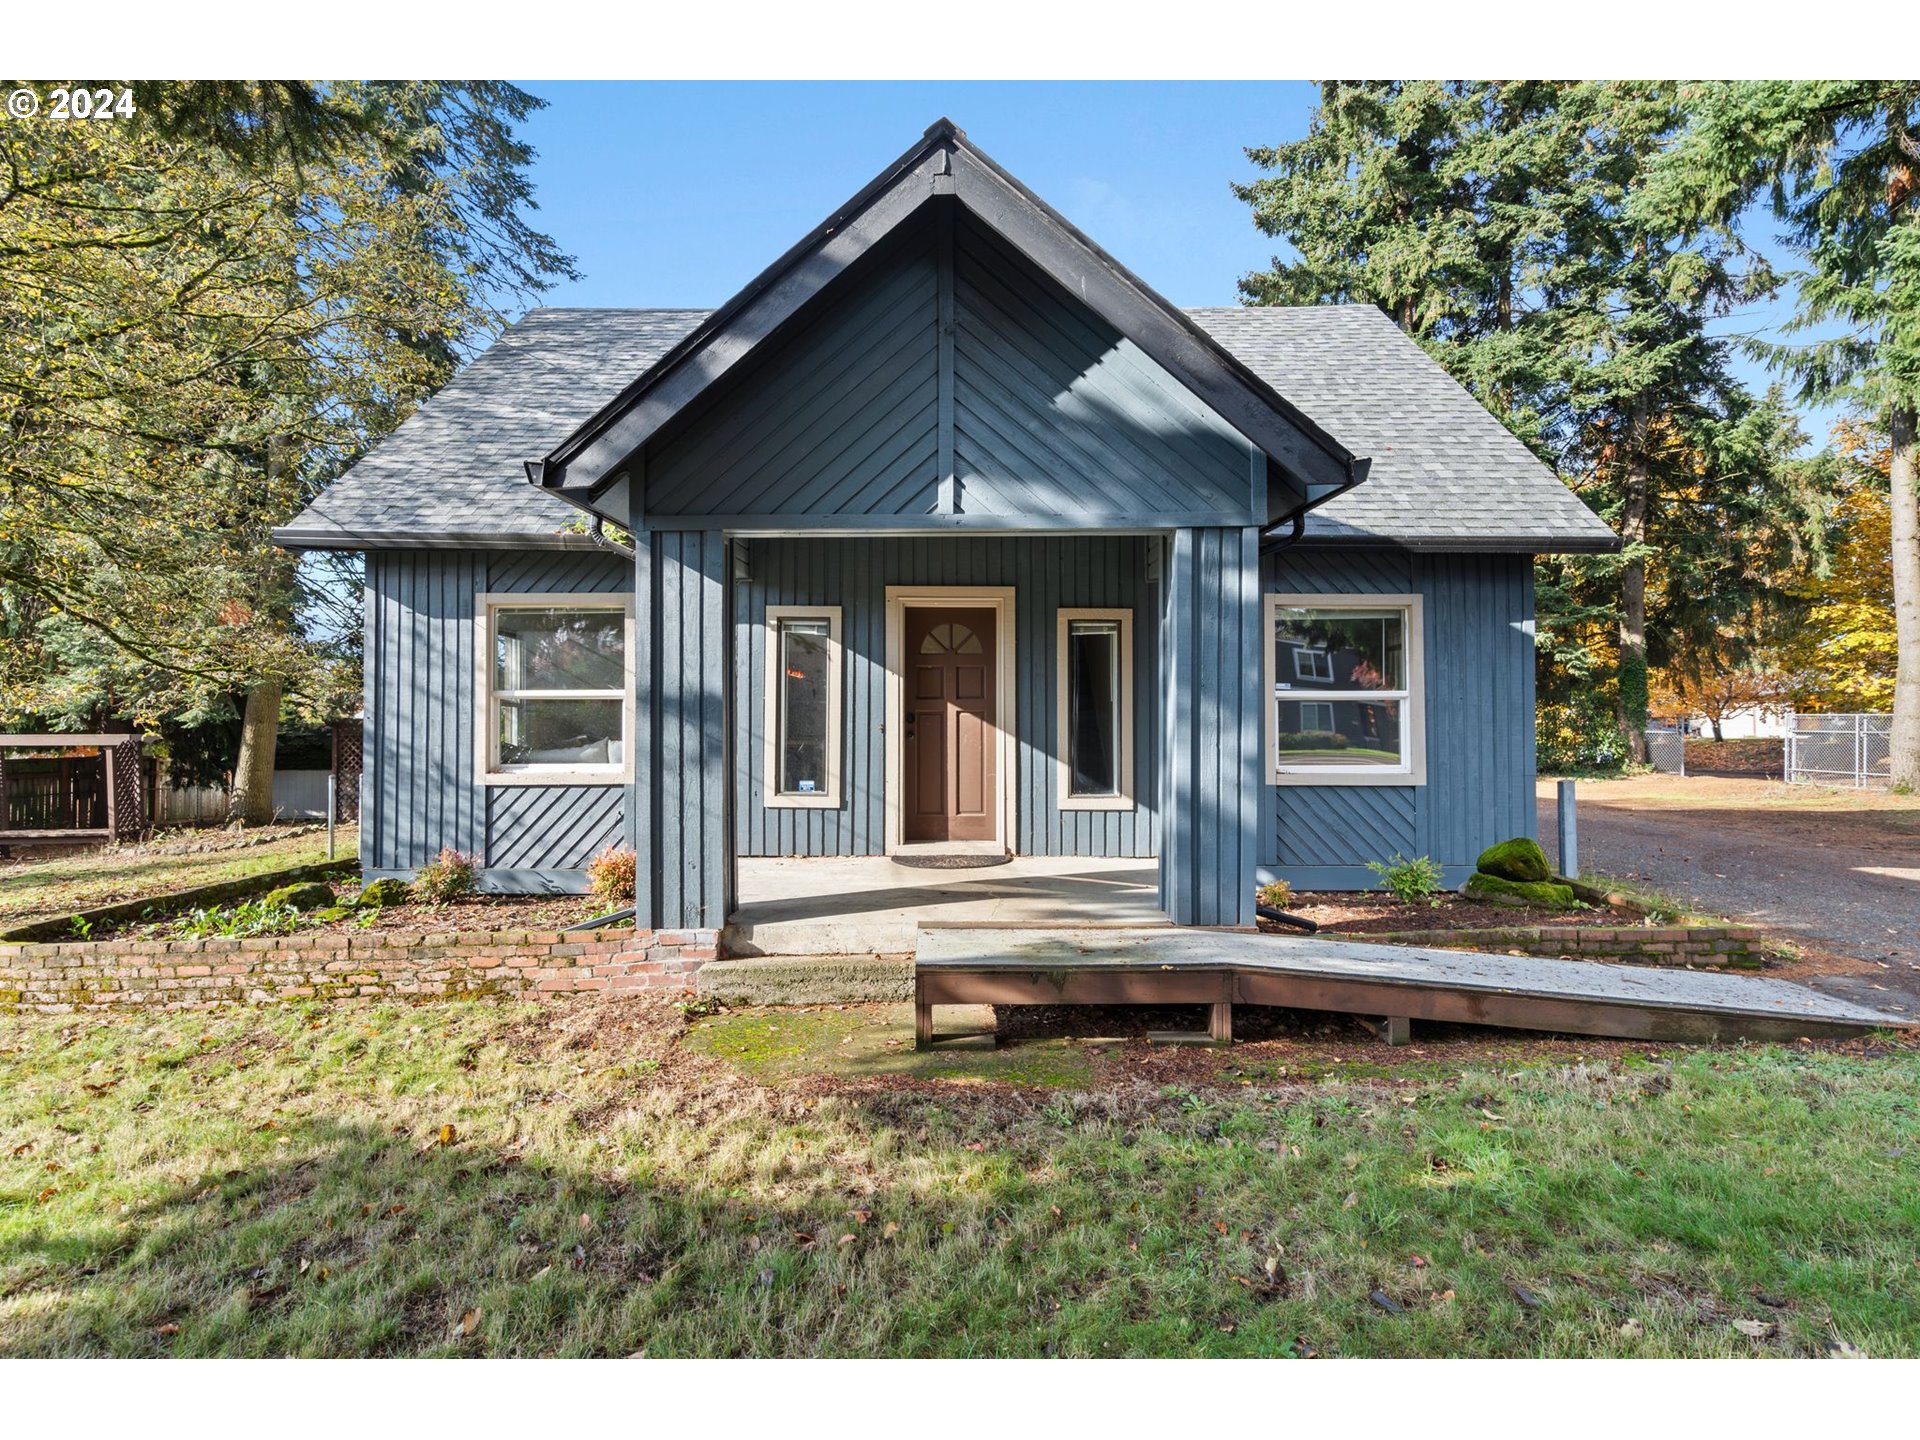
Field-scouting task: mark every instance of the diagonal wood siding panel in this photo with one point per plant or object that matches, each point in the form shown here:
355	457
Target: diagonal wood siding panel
1041	408
840	419
1057	414
551	827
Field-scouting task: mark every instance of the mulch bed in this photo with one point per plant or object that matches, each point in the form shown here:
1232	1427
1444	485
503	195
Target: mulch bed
1365	913
473	914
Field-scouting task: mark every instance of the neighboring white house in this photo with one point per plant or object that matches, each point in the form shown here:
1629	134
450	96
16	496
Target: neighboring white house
1762	722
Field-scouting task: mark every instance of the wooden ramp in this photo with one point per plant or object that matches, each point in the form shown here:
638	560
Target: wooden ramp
1397	984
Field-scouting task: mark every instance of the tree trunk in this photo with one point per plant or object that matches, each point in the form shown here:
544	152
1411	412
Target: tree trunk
1631	701
251	802
1903	423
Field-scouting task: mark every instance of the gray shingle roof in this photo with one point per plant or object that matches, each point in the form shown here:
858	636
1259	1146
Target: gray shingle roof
1445	473
454	473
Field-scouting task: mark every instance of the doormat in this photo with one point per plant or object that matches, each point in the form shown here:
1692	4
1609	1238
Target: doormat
950	862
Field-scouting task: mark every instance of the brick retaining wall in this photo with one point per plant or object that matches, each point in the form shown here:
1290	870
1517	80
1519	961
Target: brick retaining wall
1740	946
69	975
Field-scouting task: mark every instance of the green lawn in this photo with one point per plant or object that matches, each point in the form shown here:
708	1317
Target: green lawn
79	880
271	1182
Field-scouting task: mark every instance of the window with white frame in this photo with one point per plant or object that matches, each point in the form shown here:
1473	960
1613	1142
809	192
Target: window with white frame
802	757
1309	664
1355	714
1094	653
556	689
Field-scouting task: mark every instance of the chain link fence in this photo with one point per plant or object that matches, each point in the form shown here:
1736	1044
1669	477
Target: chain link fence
1667	751
1855	750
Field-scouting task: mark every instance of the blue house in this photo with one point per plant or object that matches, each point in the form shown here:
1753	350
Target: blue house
948	536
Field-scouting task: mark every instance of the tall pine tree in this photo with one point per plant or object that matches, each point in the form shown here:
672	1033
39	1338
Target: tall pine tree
1491	220
1839	164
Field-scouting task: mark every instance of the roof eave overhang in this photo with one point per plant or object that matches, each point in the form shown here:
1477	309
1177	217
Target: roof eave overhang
300	538
1474	544
945	163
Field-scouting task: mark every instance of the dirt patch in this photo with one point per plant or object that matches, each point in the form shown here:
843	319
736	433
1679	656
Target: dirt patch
1833	873
1369	914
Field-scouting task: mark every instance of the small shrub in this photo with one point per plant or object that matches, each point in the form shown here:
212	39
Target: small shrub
450	875
265	916
1275	895
1411	881
1312	740
611	876
390	891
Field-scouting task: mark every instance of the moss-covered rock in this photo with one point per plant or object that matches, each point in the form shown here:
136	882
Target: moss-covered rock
390	891
309	895
1518	859
1518	892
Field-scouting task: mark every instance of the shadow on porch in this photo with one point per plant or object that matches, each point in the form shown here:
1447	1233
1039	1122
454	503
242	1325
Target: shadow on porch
870	905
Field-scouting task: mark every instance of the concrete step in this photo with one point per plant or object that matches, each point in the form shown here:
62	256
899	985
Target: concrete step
846	979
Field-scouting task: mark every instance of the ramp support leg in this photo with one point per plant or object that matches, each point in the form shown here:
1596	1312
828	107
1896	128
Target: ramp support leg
922	1025
1220	1022
1396	1030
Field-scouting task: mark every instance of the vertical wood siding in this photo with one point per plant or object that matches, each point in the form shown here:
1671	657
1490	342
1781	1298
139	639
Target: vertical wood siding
682	600
418	788
1479	719
1210	649
1047	574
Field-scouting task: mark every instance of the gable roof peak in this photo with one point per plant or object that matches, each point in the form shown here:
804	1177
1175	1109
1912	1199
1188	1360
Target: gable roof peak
946	167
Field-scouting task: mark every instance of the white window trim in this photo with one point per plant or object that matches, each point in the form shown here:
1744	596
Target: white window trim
828	798
1063	767
487	767
1312	673
1413	767
1326	705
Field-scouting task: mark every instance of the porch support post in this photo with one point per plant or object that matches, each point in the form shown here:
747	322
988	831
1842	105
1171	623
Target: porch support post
1210	654
680	821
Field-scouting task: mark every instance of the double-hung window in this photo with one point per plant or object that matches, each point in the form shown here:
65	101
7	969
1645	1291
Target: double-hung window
1344	690
803	682
555	684
1095	702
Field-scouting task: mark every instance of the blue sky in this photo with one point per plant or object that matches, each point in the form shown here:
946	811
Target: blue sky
677	194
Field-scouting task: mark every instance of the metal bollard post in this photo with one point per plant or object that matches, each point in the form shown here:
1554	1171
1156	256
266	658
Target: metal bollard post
1568	831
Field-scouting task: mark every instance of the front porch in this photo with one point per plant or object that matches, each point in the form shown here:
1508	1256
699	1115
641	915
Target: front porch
872	905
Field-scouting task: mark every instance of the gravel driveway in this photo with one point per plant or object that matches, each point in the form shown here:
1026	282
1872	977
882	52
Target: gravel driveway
1846	880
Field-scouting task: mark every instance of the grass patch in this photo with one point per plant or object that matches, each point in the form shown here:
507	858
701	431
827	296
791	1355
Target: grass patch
279	1181
43	889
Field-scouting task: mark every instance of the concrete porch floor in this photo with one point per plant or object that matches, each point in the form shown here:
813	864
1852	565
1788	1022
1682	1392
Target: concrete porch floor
868	905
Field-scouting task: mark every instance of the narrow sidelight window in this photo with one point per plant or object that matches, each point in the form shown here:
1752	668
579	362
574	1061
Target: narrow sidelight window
803	706
1096	709
556	690
1344	690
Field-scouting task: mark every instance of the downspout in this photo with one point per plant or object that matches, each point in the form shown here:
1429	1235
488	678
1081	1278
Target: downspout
1271	544
597	533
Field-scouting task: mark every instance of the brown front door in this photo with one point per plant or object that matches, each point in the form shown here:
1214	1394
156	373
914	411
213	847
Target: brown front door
952	749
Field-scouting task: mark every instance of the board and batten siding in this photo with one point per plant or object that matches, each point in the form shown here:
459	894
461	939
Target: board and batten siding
418	792
949	376
1479	705
1047	574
